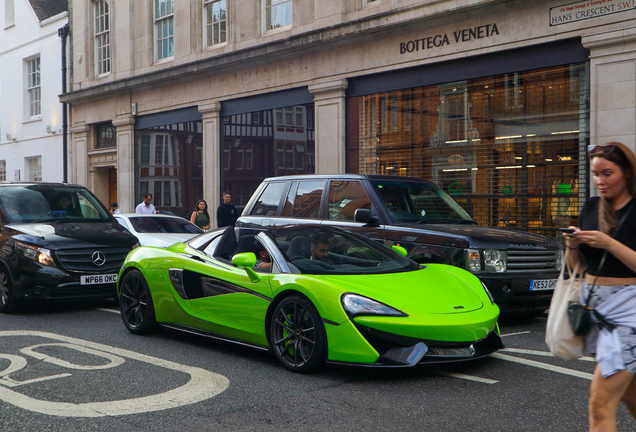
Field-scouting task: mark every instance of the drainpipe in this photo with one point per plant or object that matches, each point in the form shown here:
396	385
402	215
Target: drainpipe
63	33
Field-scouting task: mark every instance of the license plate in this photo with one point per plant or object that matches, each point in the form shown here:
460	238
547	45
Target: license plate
98	279
538	285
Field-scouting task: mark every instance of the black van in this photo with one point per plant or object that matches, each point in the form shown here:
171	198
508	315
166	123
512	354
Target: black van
57	241
520	269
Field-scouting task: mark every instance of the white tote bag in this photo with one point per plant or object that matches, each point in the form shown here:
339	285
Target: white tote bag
558	333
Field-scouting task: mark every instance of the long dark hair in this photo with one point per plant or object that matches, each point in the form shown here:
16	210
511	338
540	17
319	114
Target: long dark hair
205	210
622	156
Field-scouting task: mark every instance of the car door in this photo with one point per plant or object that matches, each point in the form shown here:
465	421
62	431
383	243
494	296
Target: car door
226	300
344	197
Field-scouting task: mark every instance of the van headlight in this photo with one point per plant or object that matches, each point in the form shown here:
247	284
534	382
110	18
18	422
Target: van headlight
34	253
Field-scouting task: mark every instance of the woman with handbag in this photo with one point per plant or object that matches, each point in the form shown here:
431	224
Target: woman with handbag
604	247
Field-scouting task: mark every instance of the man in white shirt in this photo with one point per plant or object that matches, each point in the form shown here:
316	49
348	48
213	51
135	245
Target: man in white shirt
146	207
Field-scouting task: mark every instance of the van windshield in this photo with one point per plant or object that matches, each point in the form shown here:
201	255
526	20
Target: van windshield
46	203
415	202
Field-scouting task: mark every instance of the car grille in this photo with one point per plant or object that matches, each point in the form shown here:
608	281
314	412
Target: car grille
80	259
525	261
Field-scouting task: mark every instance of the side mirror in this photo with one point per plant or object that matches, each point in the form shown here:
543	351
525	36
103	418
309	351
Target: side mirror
247	260
400	250
364	215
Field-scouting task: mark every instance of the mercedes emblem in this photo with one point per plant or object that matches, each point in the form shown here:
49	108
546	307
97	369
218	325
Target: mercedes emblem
98	258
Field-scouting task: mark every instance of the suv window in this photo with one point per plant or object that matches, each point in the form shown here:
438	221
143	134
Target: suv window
267	203
419	202
307	200
345	197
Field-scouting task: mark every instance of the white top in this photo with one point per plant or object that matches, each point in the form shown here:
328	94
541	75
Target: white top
117	212
619	308
146	209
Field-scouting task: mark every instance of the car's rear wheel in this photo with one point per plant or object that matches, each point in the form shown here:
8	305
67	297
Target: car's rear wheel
7	301
135	304
297	335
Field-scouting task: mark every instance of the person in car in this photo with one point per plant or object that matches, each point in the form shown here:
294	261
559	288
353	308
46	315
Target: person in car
263	260
320	249
65	204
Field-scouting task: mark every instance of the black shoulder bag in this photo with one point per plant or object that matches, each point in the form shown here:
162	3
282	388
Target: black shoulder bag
580	314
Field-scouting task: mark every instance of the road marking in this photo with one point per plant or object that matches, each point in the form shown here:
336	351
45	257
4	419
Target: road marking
540	365
542	353
115	311
464	376
202	385
514	334
114	360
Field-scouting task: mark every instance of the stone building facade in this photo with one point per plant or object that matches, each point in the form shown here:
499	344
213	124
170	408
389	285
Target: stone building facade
494	100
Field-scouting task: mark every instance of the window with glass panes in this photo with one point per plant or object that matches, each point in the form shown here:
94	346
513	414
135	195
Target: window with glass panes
3	170
101	10
33	86
215	12
280	140
164	28
34	168
509	148
168	165
278	13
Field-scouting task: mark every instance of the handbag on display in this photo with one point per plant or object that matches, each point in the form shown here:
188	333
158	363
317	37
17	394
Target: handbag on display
580	314
561	340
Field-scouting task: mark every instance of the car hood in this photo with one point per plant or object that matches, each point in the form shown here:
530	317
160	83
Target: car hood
162	240
64	235
473	236
435	289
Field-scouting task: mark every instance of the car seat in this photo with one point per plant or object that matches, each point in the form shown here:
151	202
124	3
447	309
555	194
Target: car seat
245	244
299	248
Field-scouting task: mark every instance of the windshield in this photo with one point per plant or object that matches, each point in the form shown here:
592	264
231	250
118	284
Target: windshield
415	202
149	224
326	250
45	203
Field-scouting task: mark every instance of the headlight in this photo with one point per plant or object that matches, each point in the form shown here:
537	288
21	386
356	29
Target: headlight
559	260
34	253
358	305
494	261
492	300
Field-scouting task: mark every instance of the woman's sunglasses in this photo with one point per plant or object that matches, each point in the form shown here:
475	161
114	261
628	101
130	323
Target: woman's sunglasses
605	149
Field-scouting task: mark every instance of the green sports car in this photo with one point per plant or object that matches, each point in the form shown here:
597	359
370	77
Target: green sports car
312	295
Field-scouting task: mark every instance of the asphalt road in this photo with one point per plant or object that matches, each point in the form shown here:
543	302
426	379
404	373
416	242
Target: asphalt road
74	367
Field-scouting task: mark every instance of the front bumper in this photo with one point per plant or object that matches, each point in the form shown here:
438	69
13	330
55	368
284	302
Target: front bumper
425	351
512	293
37	282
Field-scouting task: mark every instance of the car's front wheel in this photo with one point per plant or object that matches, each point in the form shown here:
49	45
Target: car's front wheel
297	335
135	304
7	301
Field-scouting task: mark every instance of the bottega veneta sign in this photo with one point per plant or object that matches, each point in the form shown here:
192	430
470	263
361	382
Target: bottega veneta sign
588	9
458	36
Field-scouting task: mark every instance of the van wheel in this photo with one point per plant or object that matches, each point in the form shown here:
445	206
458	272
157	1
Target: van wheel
7	302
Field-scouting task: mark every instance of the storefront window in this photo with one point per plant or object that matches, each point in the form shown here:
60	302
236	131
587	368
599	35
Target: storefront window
265	143
169	165
509	148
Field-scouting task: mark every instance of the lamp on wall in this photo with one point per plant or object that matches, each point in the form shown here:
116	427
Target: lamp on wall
11	138
50	130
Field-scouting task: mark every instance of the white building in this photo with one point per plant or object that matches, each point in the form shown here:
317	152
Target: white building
31	143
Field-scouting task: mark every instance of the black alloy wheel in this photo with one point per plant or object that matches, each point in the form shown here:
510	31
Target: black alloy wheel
135	304
297	335
7	302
